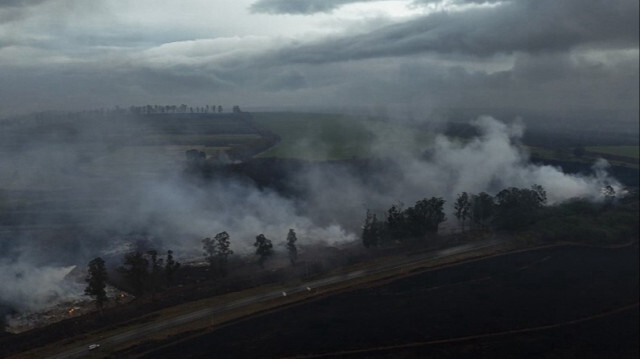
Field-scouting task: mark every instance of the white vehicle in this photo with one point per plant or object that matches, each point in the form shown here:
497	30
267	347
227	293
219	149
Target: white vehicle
94	346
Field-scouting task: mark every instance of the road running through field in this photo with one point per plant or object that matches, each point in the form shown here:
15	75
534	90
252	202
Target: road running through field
151	328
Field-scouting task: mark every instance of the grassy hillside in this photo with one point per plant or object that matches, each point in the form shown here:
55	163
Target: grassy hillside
334	136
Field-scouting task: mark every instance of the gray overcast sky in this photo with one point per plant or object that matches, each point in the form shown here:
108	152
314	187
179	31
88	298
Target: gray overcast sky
547	55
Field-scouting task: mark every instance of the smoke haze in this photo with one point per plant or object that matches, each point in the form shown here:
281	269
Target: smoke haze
93	205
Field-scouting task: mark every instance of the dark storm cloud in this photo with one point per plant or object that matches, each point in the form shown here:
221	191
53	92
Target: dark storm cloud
20	3
458	2
286	81
15	10
306	7
519	26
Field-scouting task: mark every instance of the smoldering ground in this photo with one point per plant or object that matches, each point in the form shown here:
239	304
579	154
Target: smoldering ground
71	200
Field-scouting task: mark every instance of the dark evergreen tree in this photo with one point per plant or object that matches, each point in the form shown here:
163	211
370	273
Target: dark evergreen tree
223	251
397	223
154	282
462	208
373	231
291	246
135	272
170	268
482	210
425	217
517	208
97	282
209	247
217	251
264	249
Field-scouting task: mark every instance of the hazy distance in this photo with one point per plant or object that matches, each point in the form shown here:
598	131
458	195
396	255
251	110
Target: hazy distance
405	57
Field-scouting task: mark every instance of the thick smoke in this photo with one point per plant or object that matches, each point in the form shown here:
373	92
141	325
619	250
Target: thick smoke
26	286
97	205
491	162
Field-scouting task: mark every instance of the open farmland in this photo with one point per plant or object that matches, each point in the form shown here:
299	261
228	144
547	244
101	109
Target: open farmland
317	136
622	151
108	151
99	146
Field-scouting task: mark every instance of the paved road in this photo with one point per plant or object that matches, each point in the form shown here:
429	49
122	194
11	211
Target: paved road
146	330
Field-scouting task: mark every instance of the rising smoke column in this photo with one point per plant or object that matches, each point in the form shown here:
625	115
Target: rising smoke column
490	162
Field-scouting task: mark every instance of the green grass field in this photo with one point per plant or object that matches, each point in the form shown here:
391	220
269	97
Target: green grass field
626	156
626	151
333	136
193	140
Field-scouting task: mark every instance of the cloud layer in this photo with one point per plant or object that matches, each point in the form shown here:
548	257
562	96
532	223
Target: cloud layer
547	55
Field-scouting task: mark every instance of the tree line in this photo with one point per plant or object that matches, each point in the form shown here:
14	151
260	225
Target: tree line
217	252
511	209
162	109
143	273
146	273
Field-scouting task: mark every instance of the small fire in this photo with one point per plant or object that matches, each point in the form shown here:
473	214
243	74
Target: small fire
122	295
71	311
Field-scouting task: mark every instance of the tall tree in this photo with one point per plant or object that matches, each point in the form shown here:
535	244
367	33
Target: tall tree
170	267
517	208
154	281
397	222
372	230
217	251
291	246
482	210
264	249
462	208
425	217
97	282
209	247
135	271
223	251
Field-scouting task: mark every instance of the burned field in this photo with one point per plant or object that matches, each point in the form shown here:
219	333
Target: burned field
554	302
116	195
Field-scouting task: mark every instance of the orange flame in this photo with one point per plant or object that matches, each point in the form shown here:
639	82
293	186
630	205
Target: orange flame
71	311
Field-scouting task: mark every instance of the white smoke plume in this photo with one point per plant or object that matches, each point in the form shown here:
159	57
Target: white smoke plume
29	287
493	161
176	213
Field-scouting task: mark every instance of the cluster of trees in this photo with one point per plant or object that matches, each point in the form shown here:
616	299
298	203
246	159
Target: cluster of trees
217	250
613	220
97	282
511	209
142	272
161	109
414	222
147	273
